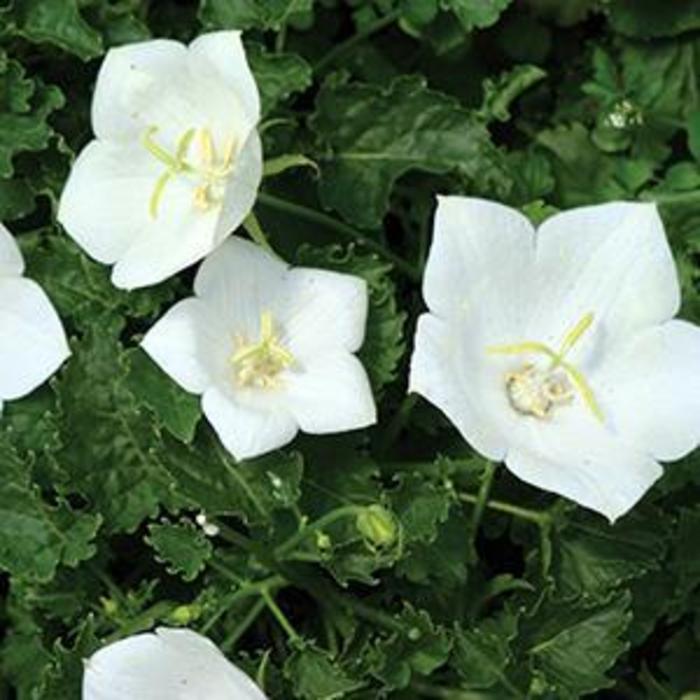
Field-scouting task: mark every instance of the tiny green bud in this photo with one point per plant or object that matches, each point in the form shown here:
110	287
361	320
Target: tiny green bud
184	614
378	526
109	606
323	541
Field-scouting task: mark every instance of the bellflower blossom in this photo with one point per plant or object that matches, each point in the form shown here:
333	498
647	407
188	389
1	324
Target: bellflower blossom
176	162
556	350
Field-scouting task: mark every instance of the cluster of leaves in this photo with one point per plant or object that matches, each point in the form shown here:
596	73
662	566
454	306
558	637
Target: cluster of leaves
357	566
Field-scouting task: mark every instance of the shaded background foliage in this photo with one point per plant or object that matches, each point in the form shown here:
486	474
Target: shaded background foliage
540	103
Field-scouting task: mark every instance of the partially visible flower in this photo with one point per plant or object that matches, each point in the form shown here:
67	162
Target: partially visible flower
176	162
269	348
176	664
556	350
32	341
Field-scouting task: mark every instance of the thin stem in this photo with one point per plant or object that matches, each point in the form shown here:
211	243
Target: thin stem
347	232
284	622
346	45
242	627
143	621
480	503
248	590
538	517
280	39
323	521
396	424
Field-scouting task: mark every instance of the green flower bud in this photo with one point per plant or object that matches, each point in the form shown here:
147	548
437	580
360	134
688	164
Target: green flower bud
184	614
378	526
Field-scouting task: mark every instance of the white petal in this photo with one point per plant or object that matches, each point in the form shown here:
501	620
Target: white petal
173	664
11	262
180	235
241	280
189	343
650	390
105	202
248	427
331	394
451	369
612	260
481	256
324	311
242	188
574	455
139	85
222	53
33	344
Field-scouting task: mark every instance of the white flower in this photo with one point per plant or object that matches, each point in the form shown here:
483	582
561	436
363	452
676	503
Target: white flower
269	347
176	664
32	341
555	350
176	163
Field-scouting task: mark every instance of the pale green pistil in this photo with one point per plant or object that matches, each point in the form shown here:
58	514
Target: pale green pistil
259	364
536	391
210	172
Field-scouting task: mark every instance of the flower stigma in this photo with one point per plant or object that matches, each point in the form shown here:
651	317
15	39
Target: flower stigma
210	171
536	391
259	364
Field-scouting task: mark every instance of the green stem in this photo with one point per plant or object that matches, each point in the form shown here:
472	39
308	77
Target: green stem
143	621
396	424
538	517
284	622
252	588
691	196
338	50
242	627
348	232
480	504
322	522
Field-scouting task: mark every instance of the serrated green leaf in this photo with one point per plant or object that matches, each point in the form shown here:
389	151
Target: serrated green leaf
315	676
182	546
176	410
244	14
476	13
278	75
393	130
36	537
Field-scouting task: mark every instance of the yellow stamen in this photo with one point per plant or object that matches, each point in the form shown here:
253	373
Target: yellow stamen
558	359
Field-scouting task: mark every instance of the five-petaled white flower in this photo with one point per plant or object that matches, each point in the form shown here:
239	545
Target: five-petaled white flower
269	347
176	162
555	350
33	344
177	664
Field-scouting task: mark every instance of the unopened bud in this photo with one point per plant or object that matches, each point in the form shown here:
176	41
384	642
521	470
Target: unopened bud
378	526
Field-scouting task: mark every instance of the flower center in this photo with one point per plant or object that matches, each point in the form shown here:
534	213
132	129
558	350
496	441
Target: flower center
536	391
211	171
259	364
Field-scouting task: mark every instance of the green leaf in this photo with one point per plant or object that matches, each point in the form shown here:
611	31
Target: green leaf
499	94
593	558
482	653
477	13
572	648
244	14
176	410
109	453
209	479
419	647
35	537
315	676
278	75
645	19
24	107
182	546
57	22
393	130
384	344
